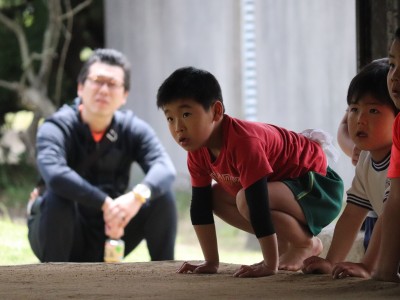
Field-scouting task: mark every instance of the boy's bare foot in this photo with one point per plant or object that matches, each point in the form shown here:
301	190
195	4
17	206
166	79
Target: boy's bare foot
293	259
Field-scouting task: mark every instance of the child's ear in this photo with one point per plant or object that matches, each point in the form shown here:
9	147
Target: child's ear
218	108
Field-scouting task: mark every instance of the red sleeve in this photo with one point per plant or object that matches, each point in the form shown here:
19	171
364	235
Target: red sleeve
251	157
394	167
199	170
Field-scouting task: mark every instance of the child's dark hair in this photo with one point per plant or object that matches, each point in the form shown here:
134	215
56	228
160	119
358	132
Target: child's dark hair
110	57
371	80
190	83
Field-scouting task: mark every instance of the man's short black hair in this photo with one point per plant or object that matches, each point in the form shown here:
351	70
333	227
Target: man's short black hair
110	57
190	83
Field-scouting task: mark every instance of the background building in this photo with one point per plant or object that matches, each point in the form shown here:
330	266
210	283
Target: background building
284	62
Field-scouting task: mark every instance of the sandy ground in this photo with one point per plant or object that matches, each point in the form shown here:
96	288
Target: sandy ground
158	280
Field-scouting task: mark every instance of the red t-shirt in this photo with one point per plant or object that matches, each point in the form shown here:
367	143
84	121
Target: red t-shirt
252	150
394	166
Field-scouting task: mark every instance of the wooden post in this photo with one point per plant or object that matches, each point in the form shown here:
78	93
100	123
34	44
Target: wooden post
376	22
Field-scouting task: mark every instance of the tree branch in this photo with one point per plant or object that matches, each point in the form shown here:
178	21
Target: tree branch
69	17
76	9
23	45
50	41
64	51
13	86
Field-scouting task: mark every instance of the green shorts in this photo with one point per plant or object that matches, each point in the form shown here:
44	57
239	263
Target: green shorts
320	197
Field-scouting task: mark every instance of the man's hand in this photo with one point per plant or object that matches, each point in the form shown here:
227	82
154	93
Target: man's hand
317	265
115	232
345	269
204	268
120	211
256	270
32	198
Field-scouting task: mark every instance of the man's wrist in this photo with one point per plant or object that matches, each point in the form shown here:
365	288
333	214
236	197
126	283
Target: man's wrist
106	203
141	192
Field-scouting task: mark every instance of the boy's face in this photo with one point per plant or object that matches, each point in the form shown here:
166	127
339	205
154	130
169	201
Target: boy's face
370	126
393	78
103	91
190	124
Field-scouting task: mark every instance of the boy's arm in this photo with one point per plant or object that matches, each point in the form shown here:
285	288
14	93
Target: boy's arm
261	221
203	222
344	235
371	255
389	255
207	237
345	232
368	262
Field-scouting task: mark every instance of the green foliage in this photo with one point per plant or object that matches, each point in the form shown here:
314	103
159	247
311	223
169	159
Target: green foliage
183	199
16	183
88	32
32	16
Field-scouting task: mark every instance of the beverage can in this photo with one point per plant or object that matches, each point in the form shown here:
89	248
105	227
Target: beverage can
114	250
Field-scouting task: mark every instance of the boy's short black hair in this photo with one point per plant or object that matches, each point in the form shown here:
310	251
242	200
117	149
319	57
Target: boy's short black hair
190	83
371	80
110	57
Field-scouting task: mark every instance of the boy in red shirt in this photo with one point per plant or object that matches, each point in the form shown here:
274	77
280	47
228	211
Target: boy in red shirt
389	257
268	179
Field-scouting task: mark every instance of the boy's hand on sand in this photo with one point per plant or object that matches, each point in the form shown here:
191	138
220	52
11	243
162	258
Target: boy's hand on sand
256	270
204	268
345	269
316	265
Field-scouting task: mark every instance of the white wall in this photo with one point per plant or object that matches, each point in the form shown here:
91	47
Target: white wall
305	51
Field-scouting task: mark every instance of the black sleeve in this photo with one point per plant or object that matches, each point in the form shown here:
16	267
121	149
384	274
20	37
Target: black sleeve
201	210
258	203
152	157
59	176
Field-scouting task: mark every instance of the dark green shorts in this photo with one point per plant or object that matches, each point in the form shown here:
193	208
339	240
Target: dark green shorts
320	197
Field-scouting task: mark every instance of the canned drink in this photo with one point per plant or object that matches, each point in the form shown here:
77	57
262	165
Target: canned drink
114	250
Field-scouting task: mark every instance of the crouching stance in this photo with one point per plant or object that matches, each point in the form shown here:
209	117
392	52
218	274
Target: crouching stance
269	181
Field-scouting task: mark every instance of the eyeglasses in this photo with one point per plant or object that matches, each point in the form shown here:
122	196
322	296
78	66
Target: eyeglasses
98	82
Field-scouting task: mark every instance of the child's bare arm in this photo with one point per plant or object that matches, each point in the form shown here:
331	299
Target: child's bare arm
368	262
389	256
370	258
207	237
344	235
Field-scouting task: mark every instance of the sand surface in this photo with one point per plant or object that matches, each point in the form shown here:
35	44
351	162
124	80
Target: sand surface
158	280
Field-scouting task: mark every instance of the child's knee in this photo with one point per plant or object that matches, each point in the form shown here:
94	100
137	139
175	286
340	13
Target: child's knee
242	204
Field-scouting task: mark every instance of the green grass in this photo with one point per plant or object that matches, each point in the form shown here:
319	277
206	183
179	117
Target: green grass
14	246
15	249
